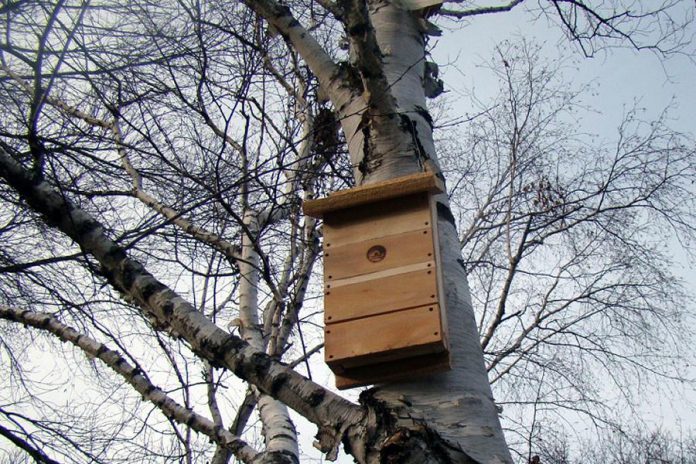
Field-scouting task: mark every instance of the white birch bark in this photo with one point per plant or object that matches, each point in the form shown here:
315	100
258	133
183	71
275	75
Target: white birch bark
389	135
458	404
278	430
406	146
170	312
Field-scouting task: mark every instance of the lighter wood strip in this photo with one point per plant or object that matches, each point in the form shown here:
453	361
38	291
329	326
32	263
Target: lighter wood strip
331	283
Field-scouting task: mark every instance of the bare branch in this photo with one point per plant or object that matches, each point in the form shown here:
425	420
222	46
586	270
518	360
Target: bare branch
169	311
133	376
39	456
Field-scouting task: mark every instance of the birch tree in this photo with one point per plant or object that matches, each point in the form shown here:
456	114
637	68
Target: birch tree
154	158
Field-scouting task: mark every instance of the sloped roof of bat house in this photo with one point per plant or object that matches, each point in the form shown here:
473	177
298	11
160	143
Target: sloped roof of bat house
373	193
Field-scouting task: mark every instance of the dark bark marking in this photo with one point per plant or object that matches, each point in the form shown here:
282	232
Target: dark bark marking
261	363
168	309
409	126
116	253
282	10
86	227
239	370
350	74
316	397
129	274
278	383
364	126
425	115
279	457
359	29
151	288
101	350
284	435
234	446
233	344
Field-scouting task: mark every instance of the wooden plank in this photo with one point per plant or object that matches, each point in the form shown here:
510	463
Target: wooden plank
393	371
442	299
379	254
364	194
384	337
376	296
379	275
376	220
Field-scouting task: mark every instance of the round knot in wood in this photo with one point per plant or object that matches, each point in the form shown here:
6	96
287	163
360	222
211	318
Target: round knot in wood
376	253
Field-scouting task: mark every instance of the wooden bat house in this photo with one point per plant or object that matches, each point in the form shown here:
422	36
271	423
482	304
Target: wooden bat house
384	314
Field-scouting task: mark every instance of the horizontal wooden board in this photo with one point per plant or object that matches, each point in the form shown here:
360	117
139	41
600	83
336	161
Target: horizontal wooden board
370	193
393	371
376	220
381	295
379	275
384	337
399	250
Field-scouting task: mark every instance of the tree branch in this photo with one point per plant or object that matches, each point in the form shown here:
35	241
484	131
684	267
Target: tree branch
39	456
134	377
169	311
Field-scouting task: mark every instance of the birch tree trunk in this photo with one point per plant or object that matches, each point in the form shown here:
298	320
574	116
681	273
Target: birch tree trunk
278	430
458	404
380	101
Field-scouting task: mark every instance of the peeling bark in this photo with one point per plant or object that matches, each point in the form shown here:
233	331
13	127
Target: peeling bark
466	416
395	139
365	430
380	101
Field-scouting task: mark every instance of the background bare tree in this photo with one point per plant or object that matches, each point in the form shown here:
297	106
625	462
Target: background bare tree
577	296
154	156
621	447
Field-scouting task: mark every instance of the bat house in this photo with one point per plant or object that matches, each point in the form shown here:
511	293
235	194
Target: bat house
384	316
